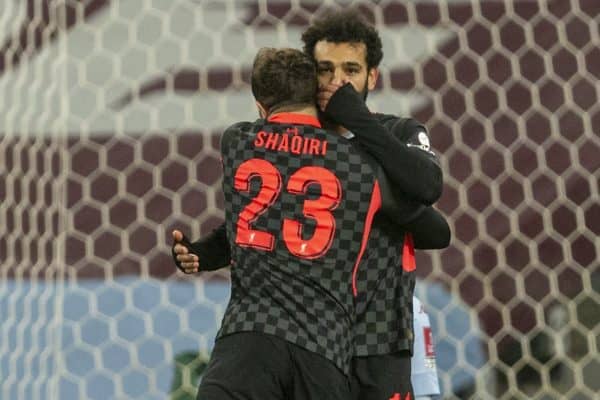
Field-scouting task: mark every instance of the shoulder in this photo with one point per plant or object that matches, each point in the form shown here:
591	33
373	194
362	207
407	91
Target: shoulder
408	130
241	126
401	127
233	131
416	135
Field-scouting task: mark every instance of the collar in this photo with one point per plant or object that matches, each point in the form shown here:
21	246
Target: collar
294	118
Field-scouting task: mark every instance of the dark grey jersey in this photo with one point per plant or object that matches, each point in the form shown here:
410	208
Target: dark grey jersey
299	202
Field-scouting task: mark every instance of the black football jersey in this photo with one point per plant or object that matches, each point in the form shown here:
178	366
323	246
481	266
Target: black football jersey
386	277
299	202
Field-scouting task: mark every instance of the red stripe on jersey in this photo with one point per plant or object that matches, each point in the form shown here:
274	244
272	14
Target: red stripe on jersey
408	253
398	396
375	205
294	118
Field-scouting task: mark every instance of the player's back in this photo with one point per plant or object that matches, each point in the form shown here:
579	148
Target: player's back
298	206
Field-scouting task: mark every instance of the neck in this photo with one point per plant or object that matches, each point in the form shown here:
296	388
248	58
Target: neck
340	129
327	124
308	110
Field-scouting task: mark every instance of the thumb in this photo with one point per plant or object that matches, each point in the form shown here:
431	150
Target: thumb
177	236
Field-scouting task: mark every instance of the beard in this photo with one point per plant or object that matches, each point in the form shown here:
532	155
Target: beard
365	91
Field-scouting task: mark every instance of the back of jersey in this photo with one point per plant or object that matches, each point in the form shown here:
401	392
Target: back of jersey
298	206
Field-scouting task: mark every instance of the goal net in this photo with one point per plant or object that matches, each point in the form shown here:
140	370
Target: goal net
110	119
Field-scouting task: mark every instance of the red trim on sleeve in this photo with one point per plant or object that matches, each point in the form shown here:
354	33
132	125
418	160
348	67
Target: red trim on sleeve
294	118
408	253
375	205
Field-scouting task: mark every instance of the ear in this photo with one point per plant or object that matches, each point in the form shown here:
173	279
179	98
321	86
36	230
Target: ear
372	77
262	111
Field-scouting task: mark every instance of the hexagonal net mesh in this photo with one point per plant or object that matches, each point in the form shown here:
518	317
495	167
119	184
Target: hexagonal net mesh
110	116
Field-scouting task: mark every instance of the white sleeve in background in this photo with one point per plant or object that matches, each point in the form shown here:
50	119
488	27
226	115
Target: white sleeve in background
424	373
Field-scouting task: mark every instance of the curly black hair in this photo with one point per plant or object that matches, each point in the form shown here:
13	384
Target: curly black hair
344	26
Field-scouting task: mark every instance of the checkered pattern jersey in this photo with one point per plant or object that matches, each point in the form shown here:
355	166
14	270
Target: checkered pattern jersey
384	309
306	301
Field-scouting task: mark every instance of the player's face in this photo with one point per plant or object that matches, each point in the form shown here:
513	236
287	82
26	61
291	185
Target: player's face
345	62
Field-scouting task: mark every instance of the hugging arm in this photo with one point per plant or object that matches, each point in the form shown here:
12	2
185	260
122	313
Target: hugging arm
415	172
212	252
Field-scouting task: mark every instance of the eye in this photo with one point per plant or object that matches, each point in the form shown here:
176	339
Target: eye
324	70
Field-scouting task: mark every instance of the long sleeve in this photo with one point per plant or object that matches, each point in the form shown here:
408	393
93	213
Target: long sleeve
213	250
430	230
411	169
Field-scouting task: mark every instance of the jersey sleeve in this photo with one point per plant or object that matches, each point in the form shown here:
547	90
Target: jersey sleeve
409	167
394	204
430	230
213	250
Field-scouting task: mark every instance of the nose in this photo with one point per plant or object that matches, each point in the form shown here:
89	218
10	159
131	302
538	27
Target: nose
339	77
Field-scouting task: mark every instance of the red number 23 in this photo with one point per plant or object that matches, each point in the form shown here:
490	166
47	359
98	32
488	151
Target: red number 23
318	209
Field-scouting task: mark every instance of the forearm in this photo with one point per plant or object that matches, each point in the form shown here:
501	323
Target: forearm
428	227
213	250
430	230
394	204
410	169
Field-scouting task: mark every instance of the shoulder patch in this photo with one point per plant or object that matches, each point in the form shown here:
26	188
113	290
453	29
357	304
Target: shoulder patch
420	140
424	140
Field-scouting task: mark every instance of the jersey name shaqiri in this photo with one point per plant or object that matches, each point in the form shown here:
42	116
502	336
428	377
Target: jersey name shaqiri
290	141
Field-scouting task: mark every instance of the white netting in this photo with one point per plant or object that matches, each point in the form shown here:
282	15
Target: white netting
110	116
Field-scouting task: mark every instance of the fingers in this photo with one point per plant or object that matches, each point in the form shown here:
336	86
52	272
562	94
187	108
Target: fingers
187	259
177	235
189	270
180	249
188	263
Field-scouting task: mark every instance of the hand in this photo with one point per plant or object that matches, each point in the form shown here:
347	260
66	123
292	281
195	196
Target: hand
188	263
325	93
